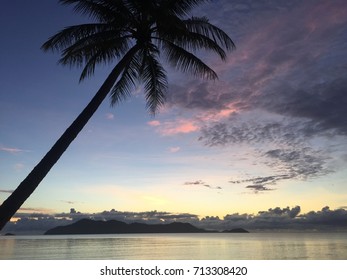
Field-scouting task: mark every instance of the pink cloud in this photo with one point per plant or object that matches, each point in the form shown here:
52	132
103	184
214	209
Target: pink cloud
154	123
19	166
169	128
190	125
183	126
11	150
214	116
174	149
109	116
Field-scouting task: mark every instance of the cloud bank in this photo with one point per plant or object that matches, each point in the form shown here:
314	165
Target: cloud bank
273	219
282	92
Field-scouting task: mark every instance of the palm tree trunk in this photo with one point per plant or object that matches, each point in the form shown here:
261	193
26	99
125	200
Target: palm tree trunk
30	183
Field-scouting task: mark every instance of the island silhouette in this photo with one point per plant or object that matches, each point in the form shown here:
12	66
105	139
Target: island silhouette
88	226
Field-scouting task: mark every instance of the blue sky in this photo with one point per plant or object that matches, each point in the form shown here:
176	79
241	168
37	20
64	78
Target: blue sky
271	132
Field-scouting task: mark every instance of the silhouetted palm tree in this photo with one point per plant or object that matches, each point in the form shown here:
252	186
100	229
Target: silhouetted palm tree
133	35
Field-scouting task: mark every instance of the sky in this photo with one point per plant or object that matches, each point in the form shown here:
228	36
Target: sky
265	144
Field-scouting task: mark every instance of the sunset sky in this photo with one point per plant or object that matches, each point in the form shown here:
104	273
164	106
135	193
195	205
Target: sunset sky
271	132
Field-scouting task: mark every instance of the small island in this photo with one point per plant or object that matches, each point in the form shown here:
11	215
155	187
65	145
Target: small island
236	230
88	226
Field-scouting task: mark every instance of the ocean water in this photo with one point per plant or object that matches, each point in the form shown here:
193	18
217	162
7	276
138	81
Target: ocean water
201	246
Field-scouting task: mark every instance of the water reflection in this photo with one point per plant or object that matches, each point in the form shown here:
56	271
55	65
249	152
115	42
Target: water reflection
257	246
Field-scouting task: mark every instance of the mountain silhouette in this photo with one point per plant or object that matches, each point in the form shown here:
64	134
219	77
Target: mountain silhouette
87	226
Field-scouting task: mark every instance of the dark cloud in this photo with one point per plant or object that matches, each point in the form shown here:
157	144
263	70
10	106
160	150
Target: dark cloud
277	211
259	183
299	163
127	216
258	188
202	183
212	187
198	96
327	217
286	219
69	201
6	191
267	180
198	182
235	16
236	131
35	211
323	105
291	155
292	69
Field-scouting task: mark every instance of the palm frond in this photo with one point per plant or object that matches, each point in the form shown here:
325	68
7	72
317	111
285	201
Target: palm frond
88	44
101	10
181	7
71	34
100	57
201	25
194	42
187	62
155	82
84	50
127	82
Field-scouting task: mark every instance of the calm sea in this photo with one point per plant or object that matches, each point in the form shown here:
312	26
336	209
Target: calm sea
208	246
